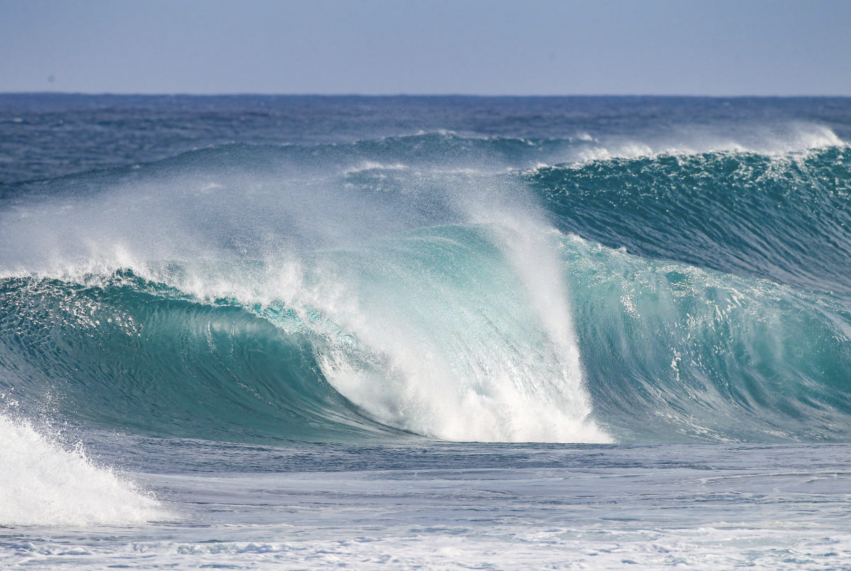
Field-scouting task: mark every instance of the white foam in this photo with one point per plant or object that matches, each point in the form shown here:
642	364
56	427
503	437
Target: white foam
776	142
478	357
374	166
485	357
439	350
42	484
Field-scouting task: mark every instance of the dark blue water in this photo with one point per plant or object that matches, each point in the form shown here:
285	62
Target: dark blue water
236	298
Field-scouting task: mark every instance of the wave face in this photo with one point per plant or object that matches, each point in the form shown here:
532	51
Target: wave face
784	218
672	349
398	337
626	285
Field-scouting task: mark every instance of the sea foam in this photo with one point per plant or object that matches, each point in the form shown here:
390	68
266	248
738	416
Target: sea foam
43	484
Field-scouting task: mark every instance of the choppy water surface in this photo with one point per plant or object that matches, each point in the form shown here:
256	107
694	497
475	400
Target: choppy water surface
424	332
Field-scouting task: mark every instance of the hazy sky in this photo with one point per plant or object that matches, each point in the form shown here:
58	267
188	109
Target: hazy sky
717	47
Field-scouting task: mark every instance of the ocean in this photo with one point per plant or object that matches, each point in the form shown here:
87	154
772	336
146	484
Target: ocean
303	332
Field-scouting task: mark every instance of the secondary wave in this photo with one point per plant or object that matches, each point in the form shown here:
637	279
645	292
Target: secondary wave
783	218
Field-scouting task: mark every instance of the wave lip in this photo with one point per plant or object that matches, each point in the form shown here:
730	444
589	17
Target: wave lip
448	332
411	285
778	141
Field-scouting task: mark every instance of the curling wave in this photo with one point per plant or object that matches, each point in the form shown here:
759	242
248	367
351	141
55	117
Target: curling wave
439	286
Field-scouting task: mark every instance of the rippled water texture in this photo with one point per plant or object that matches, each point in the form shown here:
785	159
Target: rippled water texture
424	332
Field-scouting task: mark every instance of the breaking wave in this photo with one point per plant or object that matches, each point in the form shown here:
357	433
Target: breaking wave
485	289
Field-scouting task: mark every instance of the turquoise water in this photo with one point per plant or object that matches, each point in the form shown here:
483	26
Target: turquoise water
424	332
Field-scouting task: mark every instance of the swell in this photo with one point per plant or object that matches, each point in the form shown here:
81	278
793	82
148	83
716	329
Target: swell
781	214
409	285
673	351
669	352
785	218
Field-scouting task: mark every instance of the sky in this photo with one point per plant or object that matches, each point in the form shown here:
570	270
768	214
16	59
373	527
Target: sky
385	47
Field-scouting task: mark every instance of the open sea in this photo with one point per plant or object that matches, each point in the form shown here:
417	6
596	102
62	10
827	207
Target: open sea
305	332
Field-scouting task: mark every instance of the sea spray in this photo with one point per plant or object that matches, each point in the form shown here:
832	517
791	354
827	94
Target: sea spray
280	314
434	285
44	484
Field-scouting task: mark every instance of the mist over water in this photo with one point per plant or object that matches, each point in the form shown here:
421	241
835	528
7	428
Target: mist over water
42	484
435	305
614	273
423	284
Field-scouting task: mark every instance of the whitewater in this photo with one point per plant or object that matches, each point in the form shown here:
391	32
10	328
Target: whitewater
438	332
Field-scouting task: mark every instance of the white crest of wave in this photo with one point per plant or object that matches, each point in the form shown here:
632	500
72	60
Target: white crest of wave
42	484
773	141
450	310
374	166
459	333
448	341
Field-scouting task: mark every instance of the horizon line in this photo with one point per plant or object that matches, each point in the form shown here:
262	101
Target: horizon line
416	95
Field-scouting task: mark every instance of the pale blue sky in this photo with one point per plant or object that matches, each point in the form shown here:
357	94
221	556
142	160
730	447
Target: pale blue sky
674	47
